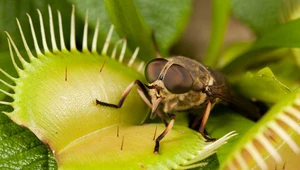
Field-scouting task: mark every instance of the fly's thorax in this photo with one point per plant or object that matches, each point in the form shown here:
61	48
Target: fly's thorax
185	101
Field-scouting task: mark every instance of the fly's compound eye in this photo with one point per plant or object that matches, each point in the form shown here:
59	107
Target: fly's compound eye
154	68
178	80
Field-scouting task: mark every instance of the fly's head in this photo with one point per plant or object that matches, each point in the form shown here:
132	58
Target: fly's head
168	82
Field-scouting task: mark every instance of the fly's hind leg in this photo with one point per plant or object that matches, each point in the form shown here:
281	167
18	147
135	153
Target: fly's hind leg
141	90
204	121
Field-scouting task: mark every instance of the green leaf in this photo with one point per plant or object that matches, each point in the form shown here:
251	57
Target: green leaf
168	18
261	15
130	25
134	22
221	121
287	71
284	36
273	138
262	86
9	10
20	148
296	54
50	113
134	149
232	52
220	15
212	161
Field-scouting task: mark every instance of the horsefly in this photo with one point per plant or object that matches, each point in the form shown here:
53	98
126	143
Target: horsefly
178	84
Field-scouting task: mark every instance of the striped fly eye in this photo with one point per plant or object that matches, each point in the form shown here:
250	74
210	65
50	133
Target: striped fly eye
178	80
154	68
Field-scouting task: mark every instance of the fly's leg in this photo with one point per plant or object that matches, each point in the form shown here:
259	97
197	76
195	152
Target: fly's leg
141	90
164	133
205	117
196	121
162	117
204	120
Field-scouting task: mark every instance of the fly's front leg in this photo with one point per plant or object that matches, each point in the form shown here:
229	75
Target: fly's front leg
141	90
162	117
165	132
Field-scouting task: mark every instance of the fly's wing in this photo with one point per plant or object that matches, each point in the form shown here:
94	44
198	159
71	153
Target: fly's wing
221	89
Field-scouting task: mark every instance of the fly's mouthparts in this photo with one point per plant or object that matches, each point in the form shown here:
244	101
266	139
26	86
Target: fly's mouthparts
155	86
150	87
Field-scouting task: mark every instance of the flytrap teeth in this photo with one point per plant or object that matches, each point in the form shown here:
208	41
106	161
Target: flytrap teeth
10	86
48	50
278	129
63	49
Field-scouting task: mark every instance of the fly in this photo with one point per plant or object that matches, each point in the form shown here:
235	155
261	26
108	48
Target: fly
178	84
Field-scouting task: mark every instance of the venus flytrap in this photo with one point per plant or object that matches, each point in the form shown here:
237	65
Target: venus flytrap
72	75
269	143
54	96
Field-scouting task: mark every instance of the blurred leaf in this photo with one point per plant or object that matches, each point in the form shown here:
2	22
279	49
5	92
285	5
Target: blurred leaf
12	9
129	24
287	71
253	60
20	148
168	18
277	129
9	10
220	15
167	27
261	15
262	86
212	161
221	121
232	52
296	55
284	36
